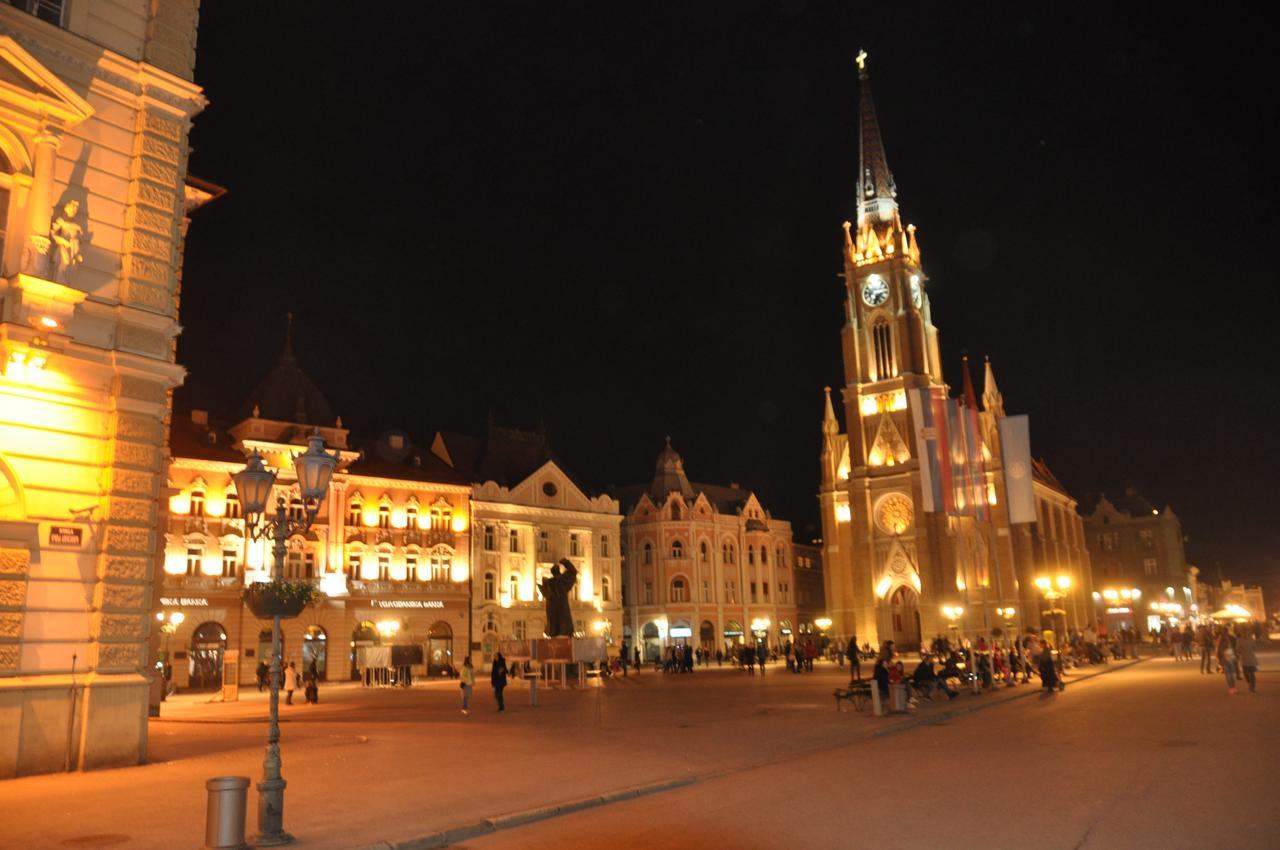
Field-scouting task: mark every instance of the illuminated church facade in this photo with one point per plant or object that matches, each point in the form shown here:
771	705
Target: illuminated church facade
894	569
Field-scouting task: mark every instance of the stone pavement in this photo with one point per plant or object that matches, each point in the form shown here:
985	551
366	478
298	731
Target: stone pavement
378	767
1158	756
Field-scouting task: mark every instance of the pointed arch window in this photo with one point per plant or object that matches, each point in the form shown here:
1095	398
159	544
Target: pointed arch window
702	551
882	349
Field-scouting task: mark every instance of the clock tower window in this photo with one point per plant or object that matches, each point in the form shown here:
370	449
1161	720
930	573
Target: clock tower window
882	349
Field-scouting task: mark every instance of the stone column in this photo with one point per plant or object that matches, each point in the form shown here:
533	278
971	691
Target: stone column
35	259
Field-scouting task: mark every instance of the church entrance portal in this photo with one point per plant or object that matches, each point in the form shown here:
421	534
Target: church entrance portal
904	611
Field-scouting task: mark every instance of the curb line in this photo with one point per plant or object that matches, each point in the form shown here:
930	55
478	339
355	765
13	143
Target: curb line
446	837
526	816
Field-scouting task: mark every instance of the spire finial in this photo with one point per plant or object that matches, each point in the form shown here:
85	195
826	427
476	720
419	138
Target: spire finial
970	397
877	193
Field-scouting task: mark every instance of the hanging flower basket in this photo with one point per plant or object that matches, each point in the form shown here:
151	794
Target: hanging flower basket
279	598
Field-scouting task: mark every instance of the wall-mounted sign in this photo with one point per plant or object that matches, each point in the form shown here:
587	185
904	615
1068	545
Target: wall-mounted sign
1119	610
65	535
407	603
184	601
681	631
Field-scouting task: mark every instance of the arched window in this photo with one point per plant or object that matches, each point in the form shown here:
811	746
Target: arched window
648	553
675	510
781	560
882	349
605	593
702	551
490	586
679	590
733	554
764	555
751	555
6	184
677	549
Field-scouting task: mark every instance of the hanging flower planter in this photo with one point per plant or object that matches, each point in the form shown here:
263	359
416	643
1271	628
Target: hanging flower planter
279	598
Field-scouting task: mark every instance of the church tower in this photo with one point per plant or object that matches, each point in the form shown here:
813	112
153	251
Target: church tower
878	544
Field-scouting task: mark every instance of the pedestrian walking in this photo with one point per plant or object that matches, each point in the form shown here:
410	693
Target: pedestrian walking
263	672
1226	653
498	678
1206	650
468	683
638	659
1049	680
1247	655
292	682
855	665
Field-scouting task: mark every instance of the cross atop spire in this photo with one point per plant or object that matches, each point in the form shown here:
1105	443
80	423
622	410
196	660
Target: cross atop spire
877	193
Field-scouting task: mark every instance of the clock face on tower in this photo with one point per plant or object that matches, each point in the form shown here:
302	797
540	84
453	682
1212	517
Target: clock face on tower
875	291
917	296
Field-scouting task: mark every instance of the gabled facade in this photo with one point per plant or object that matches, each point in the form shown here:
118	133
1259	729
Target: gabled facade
705	565
96	103
528	514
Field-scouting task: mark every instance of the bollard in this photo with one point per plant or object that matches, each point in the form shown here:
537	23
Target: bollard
224	822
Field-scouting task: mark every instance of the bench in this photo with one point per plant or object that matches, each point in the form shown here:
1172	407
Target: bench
859	694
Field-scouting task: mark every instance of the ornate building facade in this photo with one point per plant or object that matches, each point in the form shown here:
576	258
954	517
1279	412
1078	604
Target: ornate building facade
96	103
705	565
389	551
893	569
529	514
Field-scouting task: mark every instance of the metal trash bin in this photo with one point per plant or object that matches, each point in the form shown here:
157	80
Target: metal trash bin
224	823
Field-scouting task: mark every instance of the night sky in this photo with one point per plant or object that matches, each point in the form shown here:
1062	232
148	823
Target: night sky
622	221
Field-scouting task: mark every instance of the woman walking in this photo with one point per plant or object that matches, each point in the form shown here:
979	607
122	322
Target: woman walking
468	676
498	678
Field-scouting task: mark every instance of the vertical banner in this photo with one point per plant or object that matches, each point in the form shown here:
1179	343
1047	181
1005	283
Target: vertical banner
976	468
1015	444
927	449
958	456
941	406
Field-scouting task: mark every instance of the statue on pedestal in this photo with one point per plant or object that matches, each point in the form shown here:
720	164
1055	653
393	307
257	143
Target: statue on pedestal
555	590
65	233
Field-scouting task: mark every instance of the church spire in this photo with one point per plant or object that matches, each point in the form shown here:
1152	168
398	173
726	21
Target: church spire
992	400
970	397
877	193
829	424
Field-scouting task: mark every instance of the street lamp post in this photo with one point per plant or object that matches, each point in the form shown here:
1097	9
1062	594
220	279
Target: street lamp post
1054	590
253	484
168	625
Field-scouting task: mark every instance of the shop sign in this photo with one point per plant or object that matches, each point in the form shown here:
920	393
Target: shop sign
733	633
681	631
407	603
65	535
184	601
1119	610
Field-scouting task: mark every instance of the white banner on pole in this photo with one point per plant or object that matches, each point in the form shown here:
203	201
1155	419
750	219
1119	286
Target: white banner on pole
1015	442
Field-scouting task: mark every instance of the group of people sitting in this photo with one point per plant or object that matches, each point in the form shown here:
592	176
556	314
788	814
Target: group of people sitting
944	669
